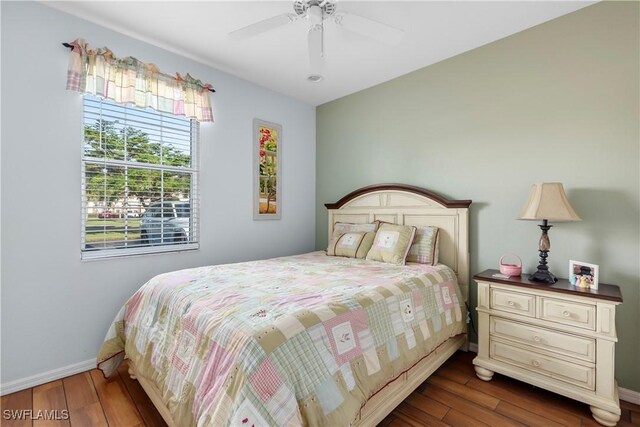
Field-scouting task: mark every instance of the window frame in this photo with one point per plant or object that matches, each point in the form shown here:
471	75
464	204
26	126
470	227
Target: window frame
193	171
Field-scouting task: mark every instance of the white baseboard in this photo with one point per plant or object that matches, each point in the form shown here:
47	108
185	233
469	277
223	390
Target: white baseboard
630	396
625	394
45	377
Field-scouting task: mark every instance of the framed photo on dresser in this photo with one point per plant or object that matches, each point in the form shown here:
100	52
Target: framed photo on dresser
583	275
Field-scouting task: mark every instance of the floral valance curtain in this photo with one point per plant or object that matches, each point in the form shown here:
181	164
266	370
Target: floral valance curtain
129	81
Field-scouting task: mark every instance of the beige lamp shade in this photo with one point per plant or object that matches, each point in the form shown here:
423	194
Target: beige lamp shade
548	201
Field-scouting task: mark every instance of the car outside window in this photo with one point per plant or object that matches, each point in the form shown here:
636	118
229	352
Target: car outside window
183	210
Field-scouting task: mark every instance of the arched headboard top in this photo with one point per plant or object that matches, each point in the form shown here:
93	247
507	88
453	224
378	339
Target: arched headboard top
399	187
410	205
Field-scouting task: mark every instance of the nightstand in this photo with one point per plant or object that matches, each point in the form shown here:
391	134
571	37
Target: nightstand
554	336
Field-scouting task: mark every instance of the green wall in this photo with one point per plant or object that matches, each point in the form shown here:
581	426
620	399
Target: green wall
557	102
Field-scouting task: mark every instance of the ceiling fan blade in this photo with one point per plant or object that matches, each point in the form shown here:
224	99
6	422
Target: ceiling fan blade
263	26
376	30
316	48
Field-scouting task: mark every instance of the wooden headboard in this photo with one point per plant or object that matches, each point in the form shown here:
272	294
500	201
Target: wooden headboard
409	205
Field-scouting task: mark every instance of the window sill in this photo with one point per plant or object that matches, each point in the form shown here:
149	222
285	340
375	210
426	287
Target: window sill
135	252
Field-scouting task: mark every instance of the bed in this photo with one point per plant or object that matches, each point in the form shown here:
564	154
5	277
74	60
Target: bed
310	339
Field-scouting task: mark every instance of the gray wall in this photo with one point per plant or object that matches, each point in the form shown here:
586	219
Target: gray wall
57	309
558	102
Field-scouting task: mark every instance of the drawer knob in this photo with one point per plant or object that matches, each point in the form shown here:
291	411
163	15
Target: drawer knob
535	363
511	303
536	338
566	313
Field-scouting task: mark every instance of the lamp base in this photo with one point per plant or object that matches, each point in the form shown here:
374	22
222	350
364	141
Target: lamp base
543	276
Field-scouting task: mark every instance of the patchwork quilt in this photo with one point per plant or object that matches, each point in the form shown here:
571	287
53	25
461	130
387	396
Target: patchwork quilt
300	340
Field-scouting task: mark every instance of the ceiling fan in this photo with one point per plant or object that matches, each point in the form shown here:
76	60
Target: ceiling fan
317	12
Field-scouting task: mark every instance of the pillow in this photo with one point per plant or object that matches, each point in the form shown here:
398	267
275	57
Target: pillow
425	246
345	227
351	245
392	243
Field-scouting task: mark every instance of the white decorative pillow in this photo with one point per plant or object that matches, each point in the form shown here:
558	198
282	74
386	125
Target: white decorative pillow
392	243
346	227
424	249
351	245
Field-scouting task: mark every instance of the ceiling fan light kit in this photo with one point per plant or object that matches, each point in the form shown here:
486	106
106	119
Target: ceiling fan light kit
301	6
317	12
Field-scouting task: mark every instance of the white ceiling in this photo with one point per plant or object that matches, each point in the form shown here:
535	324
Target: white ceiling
278	59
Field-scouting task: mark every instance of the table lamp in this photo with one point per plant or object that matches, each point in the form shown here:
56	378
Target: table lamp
547	202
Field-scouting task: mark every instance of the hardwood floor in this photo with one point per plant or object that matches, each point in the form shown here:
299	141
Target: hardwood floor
453	396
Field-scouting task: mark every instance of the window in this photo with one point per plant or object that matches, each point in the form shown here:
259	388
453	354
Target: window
139	183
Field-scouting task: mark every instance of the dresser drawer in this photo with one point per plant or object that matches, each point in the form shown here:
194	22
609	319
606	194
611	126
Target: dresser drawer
513	302
567	313
544	339
572	373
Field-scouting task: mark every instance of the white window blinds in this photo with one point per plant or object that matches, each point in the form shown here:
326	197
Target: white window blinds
139	183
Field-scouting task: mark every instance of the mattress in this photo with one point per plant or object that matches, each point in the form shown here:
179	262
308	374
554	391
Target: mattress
300	340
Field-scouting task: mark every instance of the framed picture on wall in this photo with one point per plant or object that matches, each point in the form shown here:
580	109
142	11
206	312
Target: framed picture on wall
583	275
267	149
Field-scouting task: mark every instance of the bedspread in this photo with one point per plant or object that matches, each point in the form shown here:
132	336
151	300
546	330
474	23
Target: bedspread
297	340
